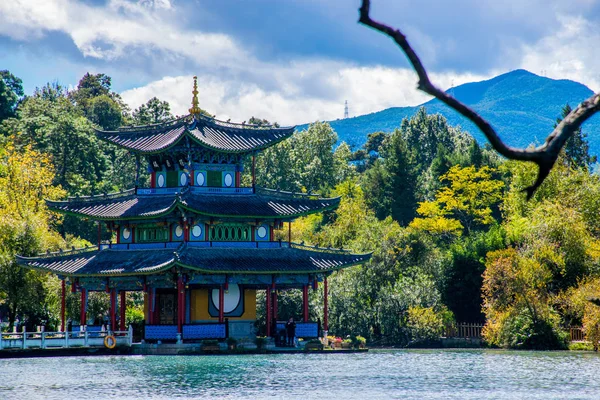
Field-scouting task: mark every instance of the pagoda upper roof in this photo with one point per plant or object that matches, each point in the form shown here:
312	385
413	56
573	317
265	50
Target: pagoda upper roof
296	259
208	132
131	204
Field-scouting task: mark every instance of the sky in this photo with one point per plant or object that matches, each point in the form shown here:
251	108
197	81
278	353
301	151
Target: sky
292	61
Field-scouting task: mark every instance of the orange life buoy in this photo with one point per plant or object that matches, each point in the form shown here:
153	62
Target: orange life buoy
110	342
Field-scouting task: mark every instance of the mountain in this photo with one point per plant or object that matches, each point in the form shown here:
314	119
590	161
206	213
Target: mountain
520	105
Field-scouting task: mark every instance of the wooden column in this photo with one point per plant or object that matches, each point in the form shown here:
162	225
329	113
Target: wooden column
122	309
275	308
113	309
325	308
268	311
82	313
99	234
290	232
63	294
305	302
151	301
180	303
221	301
253	172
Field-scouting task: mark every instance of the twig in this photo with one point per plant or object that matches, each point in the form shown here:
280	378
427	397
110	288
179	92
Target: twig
544	156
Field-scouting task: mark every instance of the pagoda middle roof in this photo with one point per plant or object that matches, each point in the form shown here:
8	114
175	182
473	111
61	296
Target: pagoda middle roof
208	132
129	205
111	262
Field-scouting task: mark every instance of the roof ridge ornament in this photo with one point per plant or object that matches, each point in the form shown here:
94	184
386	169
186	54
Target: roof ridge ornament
195	110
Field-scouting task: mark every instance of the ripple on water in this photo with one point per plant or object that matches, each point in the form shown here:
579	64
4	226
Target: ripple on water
419	374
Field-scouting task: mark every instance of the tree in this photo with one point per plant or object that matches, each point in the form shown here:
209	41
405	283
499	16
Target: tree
154	111
577	147
105	112
11	90
25	181
544	156
468	199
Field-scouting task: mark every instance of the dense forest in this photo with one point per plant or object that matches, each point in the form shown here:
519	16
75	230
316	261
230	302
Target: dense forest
452	236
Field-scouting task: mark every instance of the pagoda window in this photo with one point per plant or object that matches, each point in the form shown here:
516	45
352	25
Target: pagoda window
230	233
151	234
214	178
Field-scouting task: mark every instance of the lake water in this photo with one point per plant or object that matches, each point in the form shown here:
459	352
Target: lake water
383	374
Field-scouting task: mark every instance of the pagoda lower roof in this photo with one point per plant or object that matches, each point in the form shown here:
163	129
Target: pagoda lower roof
208	132
295	259
129	205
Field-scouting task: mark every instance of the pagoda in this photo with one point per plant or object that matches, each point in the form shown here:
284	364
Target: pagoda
196	242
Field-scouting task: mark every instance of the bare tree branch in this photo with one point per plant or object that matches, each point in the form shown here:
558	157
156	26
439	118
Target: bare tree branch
544	156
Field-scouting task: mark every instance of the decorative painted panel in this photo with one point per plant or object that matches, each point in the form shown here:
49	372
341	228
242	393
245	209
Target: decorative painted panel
145	234
204	331
183	178
303	329
197	232
261	233
228	179
230	232
126	233
214	178
177	232
160	332
161	179
200	178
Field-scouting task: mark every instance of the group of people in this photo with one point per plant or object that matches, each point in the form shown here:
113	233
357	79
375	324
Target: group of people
287	335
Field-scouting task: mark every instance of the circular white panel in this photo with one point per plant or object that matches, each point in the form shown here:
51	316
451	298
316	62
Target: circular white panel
126	233
161	181
183	179
178	231
231	298
228	180
261	232
200	179
197	231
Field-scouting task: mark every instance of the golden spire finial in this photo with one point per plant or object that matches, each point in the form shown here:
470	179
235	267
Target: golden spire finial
195	110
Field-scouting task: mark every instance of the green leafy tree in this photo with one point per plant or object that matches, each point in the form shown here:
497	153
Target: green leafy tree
577	148
154	111
11	90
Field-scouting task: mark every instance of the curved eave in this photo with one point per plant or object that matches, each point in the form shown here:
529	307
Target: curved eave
163	213
108	136
66	207
29	262
266	272
332	206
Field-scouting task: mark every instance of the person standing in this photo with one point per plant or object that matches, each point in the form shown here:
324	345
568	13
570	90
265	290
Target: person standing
290	328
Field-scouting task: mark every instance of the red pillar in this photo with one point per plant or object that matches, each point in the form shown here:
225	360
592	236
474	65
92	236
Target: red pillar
180	304
268	311
221	301
113	309
275	307
82	316
305	302
325	308
122	308
290	232
63	293
151	300
99	234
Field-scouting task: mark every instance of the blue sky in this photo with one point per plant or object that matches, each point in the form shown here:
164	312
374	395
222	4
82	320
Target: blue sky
292	61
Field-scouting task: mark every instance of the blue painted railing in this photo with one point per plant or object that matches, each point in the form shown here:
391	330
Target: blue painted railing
303	329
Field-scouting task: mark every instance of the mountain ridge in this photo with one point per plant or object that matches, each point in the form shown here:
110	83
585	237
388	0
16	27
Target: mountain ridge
520	105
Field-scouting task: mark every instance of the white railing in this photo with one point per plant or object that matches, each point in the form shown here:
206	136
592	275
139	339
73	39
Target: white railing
47	340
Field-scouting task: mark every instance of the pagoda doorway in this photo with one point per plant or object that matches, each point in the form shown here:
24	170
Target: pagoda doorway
166	310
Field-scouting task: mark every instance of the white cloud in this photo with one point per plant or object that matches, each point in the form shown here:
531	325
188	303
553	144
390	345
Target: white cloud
570	53
292	97
112	31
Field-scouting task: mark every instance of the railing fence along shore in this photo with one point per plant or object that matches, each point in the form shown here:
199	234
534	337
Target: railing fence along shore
474	331
46	340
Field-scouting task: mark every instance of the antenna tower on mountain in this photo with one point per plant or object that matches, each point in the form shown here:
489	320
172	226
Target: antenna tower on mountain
346	109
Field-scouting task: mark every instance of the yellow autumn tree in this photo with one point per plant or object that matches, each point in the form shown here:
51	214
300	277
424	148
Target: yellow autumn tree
25	227
466	200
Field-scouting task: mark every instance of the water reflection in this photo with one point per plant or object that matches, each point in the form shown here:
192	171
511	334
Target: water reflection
435	374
